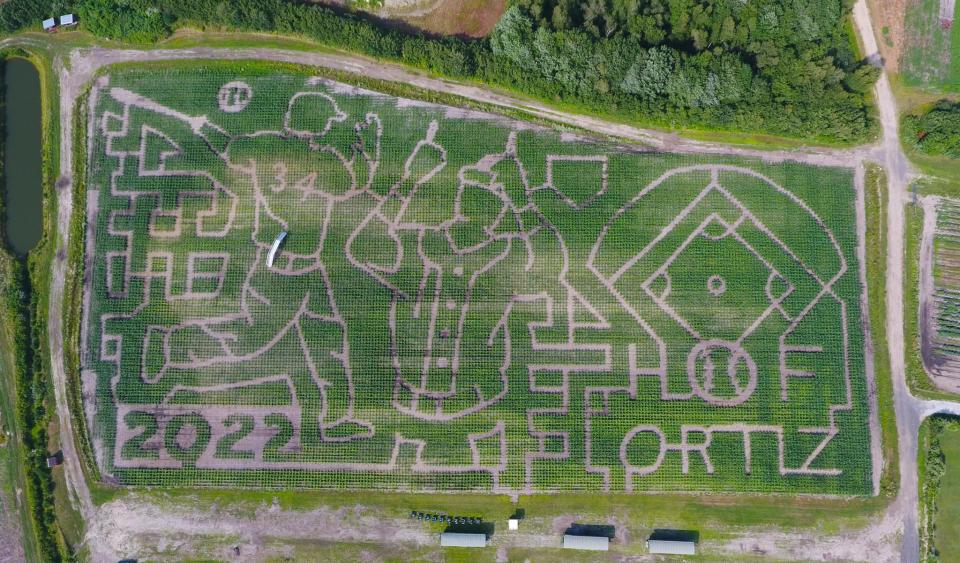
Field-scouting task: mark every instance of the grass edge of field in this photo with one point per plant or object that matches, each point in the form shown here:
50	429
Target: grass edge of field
11	468
933	465
875	201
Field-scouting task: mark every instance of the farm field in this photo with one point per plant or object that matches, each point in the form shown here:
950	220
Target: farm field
931	57
461	302
941	311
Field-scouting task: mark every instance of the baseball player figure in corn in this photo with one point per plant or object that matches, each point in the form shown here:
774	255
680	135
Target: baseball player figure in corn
286	180
455	282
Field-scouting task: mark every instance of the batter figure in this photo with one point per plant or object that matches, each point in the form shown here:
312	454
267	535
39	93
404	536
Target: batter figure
288	314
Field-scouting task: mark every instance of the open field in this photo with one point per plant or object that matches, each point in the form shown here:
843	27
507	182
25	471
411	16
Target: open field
462	301
931	57
948	515
940	488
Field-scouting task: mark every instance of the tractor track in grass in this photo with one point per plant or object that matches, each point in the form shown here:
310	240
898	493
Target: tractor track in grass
82	65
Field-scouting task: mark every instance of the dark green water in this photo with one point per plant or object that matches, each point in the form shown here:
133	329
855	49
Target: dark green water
22	173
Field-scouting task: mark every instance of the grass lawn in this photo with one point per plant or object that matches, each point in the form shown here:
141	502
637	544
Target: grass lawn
875	194
948	500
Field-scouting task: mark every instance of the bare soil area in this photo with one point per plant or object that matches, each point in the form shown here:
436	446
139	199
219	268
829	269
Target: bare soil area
888	17
469	19
149	527
466	18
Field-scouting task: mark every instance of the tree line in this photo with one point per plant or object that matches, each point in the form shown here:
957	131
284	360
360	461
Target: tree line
785	67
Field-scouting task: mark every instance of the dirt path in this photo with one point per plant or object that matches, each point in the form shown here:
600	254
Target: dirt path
408	8
85	62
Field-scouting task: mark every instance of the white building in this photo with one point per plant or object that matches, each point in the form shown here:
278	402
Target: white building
452	539
49	24
68	19
590	543
672	547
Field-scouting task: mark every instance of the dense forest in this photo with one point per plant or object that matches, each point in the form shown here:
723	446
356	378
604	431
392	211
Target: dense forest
786	67
935	132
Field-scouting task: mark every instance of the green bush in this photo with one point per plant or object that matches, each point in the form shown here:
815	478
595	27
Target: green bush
935	132
135	21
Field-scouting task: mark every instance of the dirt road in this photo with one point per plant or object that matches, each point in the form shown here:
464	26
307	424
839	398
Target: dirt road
910	411
84	62
76	480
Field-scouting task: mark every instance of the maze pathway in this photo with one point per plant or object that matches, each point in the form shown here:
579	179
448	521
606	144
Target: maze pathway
460	302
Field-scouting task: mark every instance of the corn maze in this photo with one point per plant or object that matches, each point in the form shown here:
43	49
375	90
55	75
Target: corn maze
461	302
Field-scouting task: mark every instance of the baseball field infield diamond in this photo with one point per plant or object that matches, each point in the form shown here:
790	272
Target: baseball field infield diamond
462	301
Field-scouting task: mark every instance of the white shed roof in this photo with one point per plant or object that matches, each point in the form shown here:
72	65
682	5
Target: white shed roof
592	543
452	539
49	23
672	547
67	19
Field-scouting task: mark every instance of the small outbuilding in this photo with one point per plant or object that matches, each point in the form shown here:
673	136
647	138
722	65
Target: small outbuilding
54	460
590	543
513	524
459	539
68	19
49	23
672	547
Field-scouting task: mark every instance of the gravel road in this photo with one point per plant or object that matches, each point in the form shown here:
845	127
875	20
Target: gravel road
910	411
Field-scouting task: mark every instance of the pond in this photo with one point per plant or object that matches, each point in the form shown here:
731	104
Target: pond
22	164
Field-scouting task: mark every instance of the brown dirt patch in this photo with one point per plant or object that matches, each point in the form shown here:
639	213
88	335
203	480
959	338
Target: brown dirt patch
467	18
888	20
